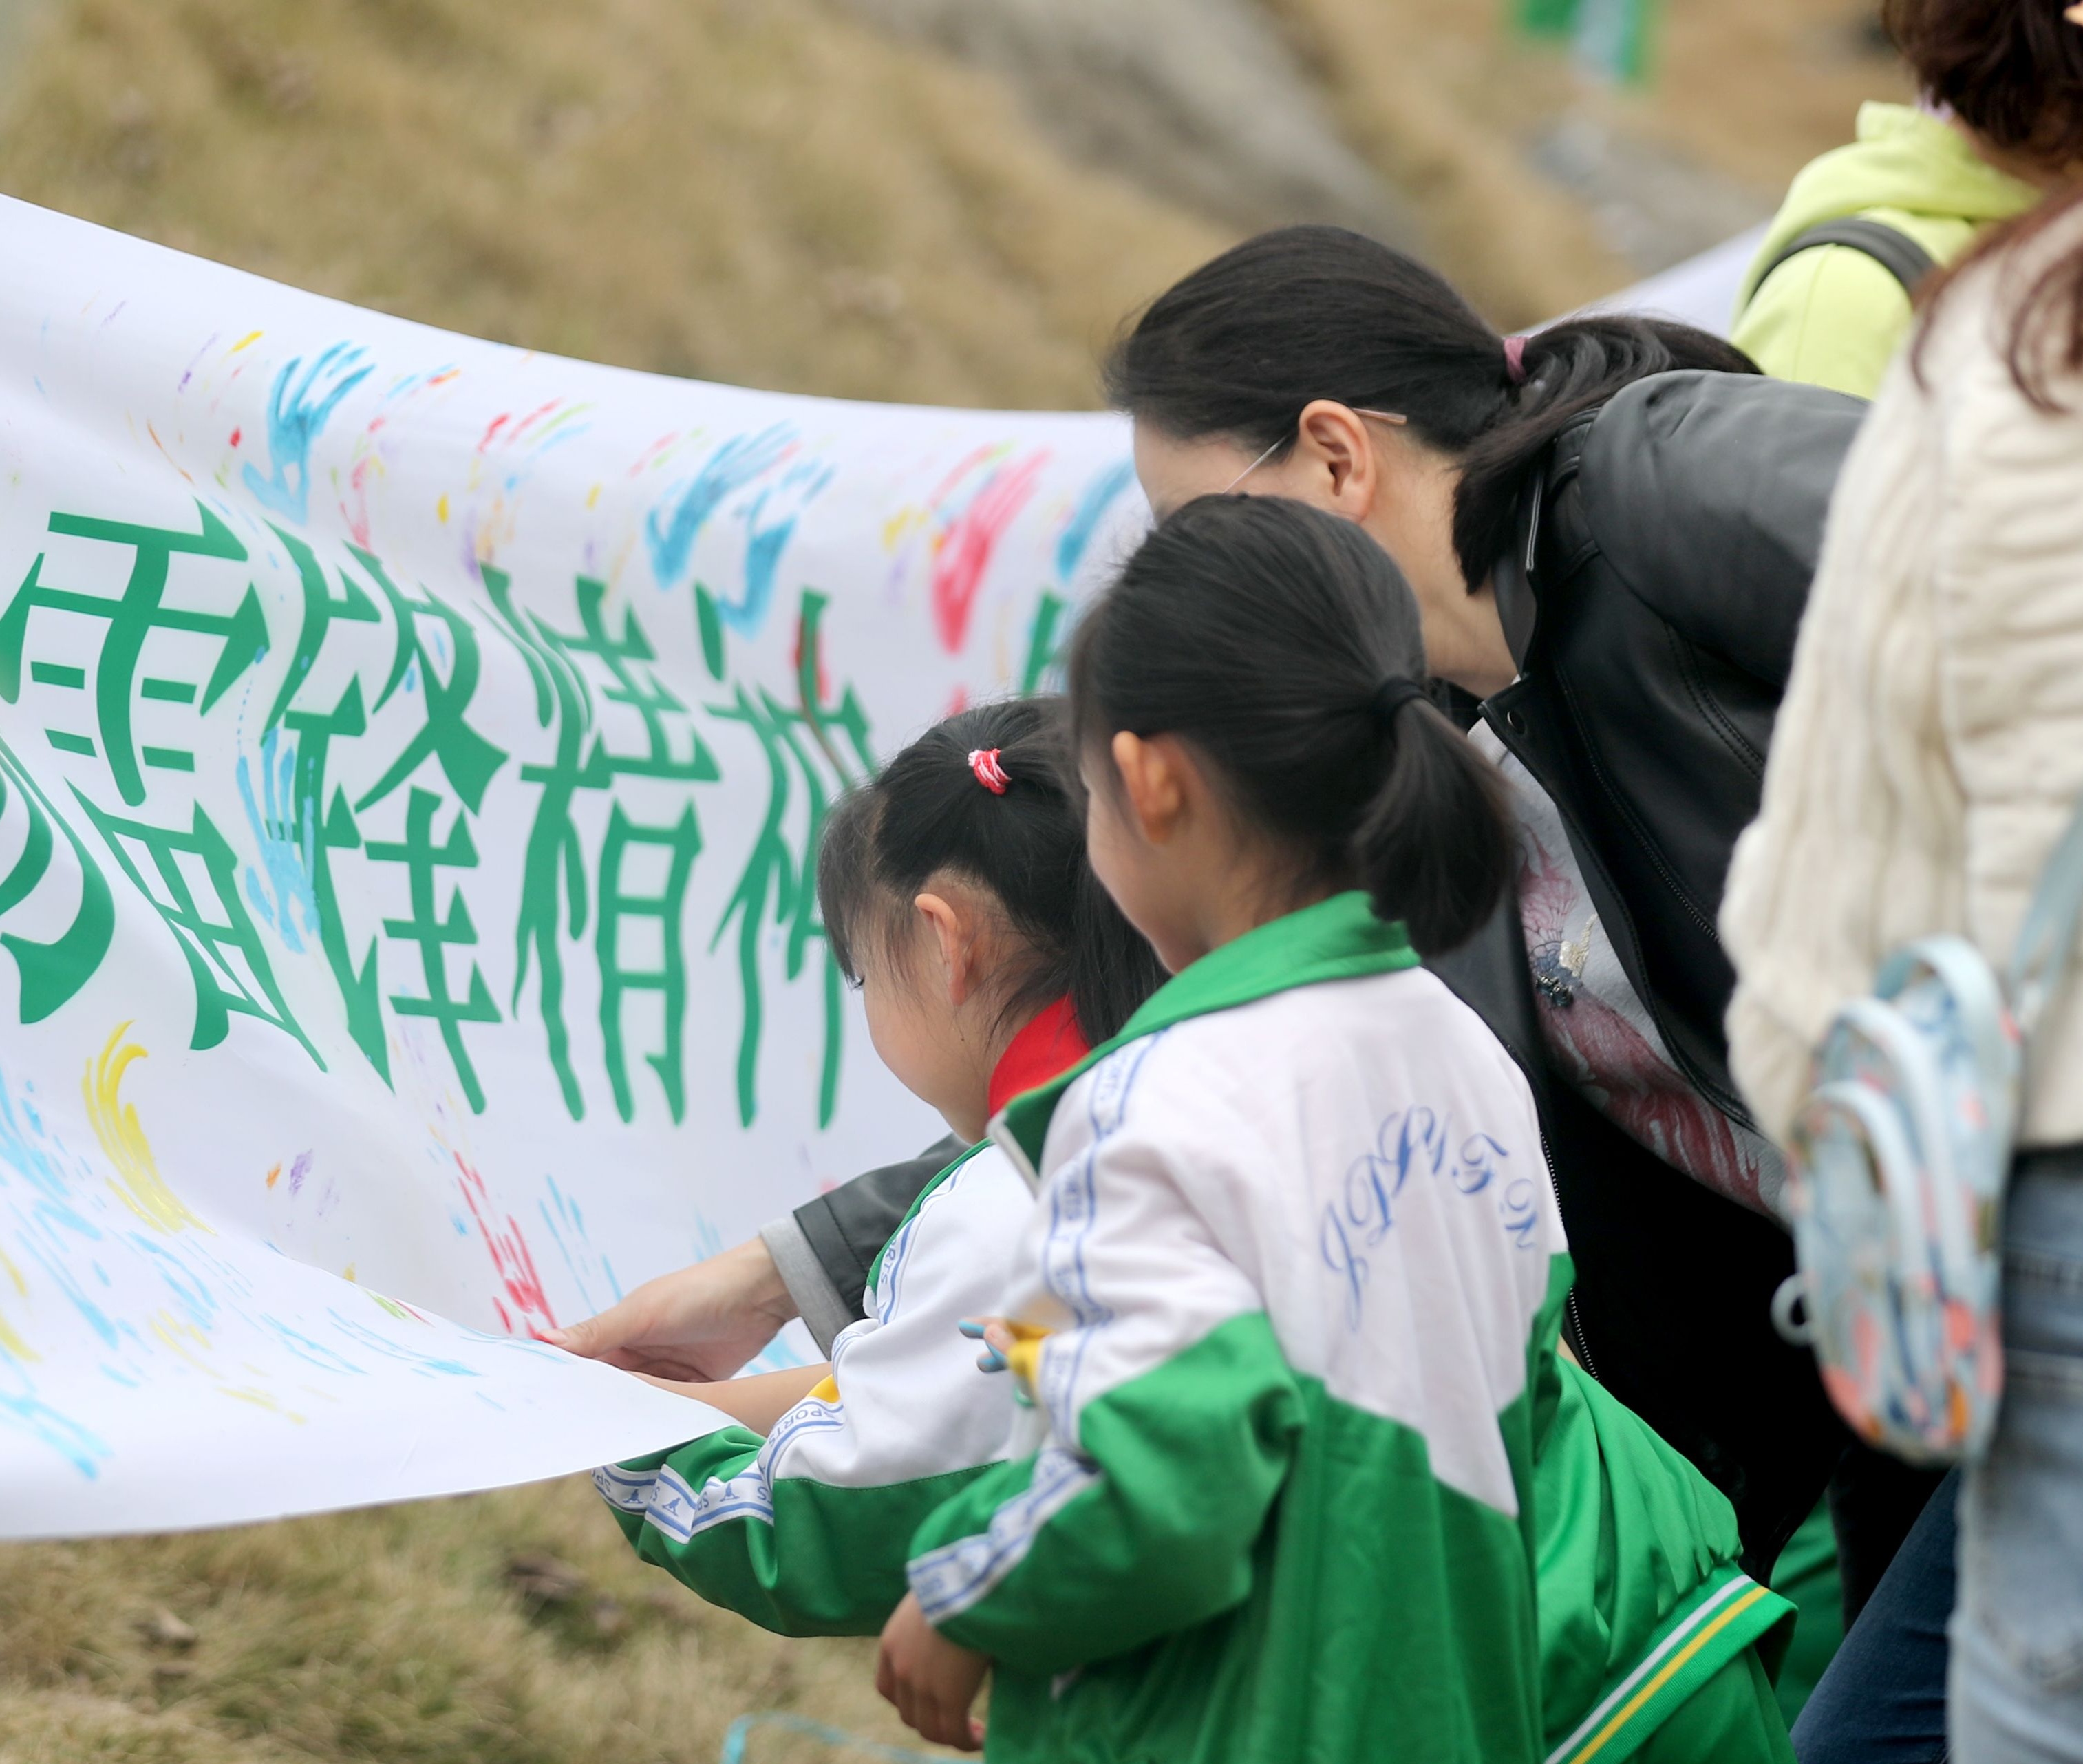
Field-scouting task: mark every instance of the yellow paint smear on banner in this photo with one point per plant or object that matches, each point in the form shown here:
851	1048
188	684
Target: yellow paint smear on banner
10	1342
137	1182
193	1345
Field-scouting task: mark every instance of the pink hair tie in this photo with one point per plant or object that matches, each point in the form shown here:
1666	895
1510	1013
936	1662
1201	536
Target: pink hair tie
1515	360
983	762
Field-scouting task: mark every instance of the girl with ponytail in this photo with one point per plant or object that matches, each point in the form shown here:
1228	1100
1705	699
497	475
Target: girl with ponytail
1286	1312
954	891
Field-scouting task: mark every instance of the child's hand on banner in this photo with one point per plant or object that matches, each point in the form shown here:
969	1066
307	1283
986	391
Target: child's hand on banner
696	1326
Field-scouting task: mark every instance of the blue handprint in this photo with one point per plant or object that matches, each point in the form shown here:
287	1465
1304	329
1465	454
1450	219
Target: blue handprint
727	471
295	416
766	539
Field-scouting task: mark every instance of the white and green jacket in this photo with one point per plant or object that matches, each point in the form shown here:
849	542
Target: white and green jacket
803	1532
1641	1602
1294	1274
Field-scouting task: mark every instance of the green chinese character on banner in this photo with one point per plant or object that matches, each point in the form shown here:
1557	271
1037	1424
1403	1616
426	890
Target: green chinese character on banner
553	862
314	832
51	971
320	612
682	843
434	932
778	886
641	691
225	957
554	891
467	759
315	829
132	616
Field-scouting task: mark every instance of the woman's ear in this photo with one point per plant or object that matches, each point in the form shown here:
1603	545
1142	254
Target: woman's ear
954	943
1335	454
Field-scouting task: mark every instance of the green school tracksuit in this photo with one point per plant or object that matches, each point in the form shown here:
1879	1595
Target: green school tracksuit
805	1532
1649	1635
1289	1305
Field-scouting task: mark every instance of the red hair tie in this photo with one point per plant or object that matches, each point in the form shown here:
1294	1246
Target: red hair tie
983	762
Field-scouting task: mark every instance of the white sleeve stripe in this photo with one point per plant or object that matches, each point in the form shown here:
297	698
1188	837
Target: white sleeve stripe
1064	1270
629	1490
949	1580
667	1501
897	1256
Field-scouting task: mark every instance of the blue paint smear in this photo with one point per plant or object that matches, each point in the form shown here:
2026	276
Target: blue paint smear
315	1353
426	1364
764	545
1098	498
24	1409
188	1290
567	1212
735	463
272	819
296	414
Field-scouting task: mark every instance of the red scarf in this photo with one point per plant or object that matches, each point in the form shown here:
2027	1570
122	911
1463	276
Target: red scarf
1049	1046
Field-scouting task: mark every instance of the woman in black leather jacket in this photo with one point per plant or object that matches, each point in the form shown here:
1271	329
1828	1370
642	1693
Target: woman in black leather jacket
1610	527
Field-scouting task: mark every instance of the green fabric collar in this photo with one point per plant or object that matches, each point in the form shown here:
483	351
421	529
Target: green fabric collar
1338	939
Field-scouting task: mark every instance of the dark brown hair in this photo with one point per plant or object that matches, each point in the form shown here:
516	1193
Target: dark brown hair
2045	310
2011	70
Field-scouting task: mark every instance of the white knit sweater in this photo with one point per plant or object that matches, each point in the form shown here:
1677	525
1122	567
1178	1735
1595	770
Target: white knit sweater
1930	749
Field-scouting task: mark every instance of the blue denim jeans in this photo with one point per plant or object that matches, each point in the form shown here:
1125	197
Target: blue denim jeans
2016	1680
1882	1700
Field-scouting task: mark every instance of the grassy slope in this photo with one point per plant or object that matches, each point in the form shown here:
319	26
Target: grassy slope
754	190
393	1634
1436	98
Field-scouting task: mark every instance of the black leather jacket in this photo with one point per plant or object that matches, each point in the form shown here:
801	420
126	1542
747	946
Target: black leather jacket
1663	559
1652	600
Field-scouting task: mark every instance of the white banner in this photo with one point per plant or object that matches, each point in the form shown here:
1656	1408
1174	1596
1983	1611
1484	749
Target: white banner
411	751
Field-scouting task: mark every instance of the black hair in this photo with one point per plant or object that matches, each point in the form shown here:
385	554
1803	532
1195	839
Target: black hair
1282	645
1246	343
926	812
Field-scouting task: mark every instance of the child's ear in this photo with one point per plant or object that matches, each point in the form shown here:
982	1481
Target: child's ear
953	943
1156	780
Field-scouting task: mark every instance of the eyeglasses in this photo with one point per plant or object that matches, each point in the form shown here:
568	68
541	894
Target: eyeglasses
1378	416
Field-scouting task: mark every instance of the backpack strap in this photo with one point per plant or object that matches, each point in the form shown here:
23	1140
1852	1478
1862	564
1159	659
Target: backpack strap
1894	250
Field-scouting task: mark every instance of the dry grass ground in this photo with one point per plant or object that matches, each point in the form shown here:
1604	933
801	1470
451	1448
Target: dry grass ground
398	1634
761	191
1450	109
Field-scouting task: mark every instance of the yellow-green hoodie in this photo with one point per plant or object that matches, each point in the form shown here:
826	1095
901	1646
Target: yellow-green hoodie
1833	316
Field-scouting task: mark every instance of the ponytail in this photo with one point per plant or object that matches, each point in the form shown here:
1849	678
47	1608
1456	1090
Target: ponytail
1283	646
1442	885
1571	367
1246	343
986	795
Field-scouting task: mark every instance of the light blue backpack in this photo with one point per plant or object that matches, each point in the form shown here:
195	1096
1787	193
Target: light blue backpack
1896	1170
